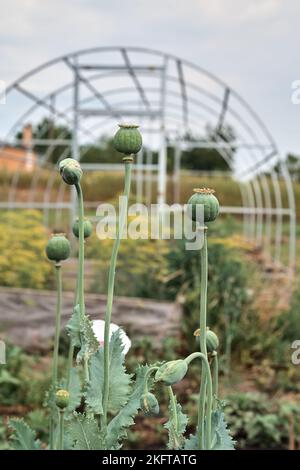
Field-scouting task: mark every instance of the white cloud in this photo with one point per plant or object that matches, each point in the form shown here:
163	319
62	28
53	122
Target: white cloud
251	44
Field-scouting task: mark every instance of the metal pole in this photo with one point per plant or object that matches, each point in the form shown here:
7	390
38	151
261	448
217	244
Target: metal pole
246	217
278	230
268	204
292	206
148	176
139	178
252	218
162	157
47	198
75	146
259	205
176	173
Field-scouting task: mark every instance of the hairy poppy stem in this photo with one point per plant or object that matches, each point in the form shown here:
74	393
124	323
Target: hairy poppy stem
61	430
56	345
111	284
205	373
174	410
80	283
215	367
209	401
81	251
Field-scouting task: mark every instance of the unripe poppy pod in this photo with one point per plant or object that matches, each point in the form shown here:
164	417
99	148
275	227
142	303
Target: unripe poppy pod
87	228
171	372
58	247
128	139
62	398
212	340
70	171
149	404
206	198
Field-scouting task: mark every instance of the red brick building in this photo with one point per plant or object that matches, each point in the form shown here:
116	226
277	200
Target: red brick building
20	157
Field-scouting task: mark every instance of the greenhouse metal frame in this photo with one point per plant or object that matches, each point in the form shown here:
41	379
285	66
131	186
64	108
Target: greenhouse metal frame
92	90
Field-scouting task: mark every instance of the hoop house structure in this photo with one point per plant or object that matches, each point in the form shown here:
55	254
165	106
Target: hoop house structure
174	101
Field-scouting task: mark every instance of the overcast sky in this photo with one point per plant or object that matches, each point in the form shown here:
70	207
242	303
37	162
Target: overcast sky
251	44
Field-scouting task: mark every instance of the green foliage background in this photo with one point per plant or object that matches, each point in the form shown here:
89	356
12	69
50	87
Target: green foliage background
22	246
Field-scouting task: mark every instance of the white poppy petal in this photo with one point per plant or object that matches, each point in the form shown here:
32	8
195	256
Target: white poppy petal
98	329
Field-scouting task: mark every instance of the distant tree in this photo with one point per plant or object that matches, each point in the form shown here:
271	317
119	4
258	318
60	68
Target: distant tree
103	152
197	158
293	164
209	159
47	129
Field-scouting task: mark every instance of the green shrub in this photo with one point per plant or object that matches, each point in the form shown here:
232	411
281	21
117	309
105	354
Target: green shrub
142	265
228	297
256	422
22	380
22	246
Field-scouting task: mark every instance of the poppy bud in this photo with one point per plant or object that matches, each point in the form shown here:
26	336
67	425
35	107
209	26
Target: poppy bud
171	372
58	247
149	404
70	171
62	399
63	163
212	341
128	139
210	203
87	228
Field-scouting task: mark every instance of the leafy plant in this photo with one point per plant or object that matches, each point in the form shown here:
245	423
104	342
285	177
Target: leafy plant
259	424
22	261
94	405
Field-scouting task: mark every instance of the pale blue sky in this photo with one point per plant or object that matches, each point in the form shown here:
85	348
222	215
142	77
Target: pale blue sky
250	44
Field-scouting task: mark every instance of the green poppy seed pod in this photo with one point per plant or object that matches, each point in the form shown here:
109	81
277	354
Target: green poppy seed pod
212	341
63	163
206	198
128	139
70	171
58	248
87	228
149	404
171	372
62	398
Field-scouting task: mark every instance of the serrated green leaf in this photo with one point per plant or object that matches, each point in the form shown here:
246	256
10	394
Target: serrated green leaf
94	391
84	433
221	439
117	428
81	334
176	425
23	437
74	390
89	342
119	383
73	327
192	442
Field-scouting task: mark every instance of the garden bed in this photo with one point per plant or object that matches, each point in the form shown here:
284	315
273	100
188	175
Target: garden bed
27	316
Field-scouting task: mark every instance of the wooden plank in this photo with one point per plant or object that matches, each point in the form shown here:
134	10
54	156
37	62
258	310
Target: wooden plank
27	316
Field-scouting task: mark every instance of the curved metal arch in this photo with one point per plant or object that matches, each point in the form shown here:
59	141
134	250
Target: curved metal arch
261	182
170	92
257	190
219	101
238	117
